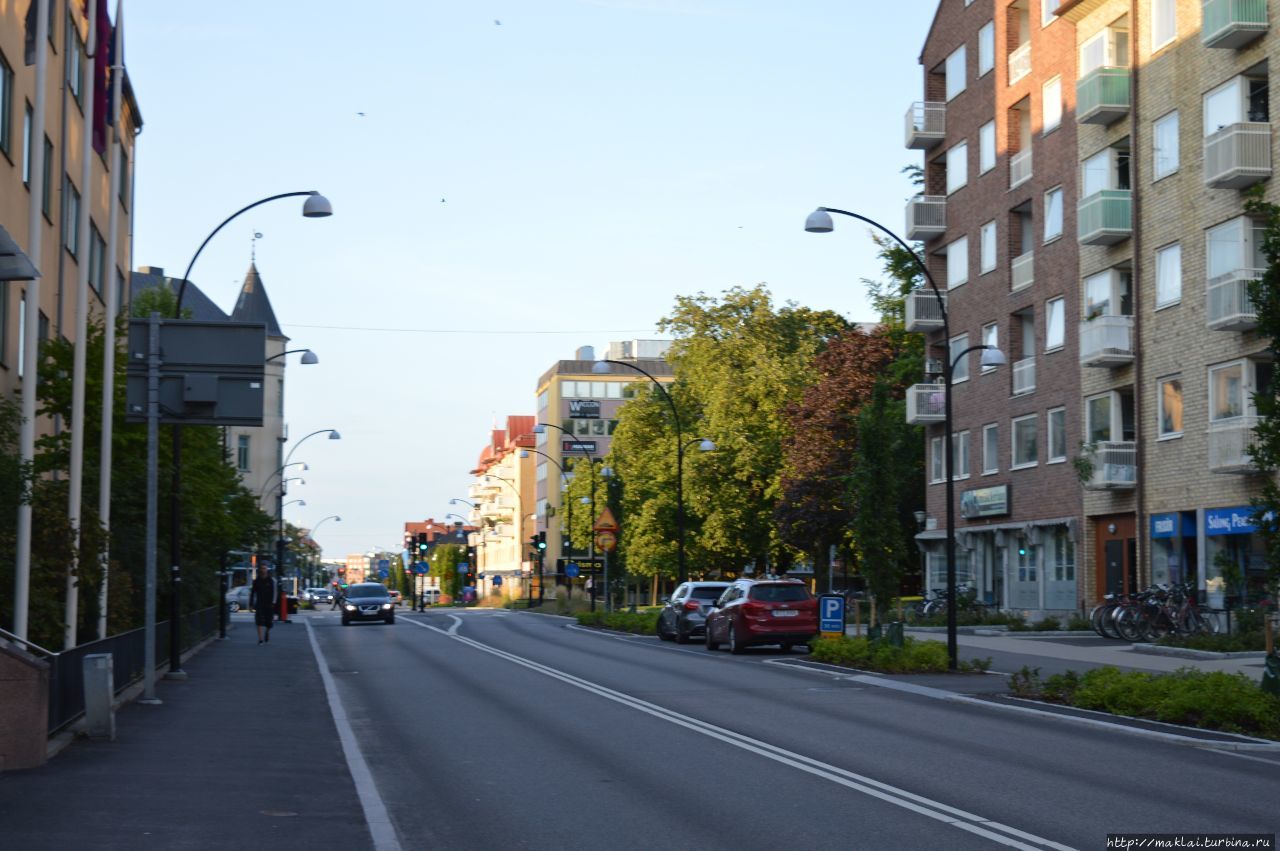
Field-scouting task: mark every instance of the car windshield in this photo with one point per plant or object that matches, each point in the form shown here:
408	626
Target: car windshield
366	591
779	593
711	592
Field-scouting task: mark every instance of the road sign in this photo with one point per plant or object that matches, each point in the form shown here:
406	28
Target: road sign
463	567
497	580
605	522
384	564
606	541
831	615
570	570
383	574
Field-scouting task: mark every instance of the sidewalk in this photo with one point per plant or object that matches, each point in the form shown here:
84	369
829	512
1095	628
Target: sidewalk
244	754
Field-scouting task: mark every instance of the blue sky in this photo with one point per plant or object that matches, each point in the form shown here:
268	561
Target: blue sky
512	191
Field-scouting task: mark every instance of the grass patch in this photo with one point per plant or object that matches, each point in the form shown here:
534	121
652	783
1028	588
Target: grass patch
1211	700
643	622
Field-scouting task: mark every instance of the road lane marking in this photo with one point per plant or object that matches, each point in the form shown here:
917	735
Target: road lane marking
375	811
993	830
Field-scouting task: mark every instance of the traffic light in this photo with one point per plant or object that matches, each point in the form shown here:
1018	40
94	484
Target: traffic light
422	542
540	541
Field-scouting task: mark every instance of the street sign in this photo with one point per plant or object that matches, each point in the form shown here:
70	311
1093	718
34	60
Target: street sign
831	615
605	522
383	573
497	580
384	565
571	570
606	541
463	567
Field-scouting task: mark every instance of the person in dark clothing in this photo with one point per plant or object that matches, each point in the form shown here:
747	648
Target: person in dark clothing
262	599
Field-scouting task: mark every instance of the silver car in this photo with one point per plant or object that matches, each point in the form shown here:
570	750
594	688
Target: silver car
685	614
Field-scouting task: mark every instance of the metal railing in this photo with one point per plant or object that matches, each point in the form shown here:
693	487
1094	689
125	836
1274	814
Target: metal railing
1106	341
1237	155
1227	303
1020	62
923	313
926	216
1115	465
1105	217
1102	95
1022	271
1024	376
1020	167
926	124
926	403
1230	441
128	651
1232	23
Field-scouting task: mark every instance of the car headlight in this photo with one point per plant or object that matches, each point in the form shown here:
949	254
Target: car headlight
349	607
386	605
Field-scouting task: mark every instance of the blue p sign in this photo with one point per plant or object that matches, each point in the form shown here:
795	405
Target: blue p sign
831	614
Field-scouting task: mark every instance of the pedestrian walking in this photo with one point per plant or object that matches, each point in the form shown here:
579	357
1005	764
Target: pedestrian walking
262	599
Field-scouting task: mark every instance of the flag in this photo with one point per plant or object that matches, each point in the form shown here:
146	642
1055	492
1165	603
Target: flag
102	77
29	45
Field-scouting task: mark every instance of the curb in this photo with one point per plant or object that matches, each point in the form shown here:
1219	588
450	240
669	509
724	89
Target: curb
1188	653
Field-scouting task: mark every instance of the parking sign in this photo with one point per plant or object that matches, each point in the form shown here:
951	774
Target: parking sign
831	614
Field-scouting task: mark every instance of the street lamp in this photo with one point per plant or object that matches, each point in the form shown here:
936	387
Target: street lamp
819	221
568	506
601	367
280	504
308	357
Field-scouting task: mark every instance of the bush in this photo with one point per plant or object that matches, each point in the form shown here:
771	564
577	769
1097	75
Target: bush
973	617
914	656
641	623
1237	642
1079	622
1047	624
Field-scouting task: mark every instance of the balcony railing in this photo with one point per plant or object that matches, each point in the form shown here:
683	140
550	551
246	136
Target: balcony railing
923	313
1102	96
926	403
1232	23
926	124
1238	155
926	216
1106	341
1020	62
1229	443
1114	465
1020	167
1024	376
1228	306
1022	271
1105	217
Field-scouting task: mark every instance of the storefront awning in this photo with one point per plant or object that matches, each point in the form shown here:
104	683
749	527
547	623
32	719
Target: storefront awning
930	536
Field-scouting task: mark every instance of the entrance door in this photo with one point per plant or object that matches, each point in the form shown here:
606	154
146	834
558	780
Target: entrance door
1116	554
1113	555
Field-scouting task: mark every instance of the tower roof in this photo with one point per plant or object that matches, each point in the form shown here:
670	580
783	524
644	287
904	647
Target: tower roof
253	305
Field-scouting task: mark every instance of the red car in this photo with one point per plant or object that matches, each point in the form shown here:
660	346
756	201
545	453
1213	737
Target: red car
767	611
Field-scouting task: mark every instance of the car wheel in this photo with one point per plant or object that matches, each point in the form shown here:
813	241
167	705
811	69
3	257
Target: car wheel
346	621
786	647
735	646
235	607
662	632
681	637
712	644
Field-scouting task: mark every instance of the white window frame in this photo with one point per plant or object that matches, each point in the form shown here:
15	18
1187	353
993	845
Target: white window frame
1113	279
1243	246
960	454
1166	152
958	262
986	48
1112	56
1014	464
1168	8
1236	92
1047	8
1245	390
957	166
1105	163
1160	407
1049	218
987	248
990	449
937	461
960	368
1060	306
1053	85
987	147
1168	275
1053	431
955	67
990	337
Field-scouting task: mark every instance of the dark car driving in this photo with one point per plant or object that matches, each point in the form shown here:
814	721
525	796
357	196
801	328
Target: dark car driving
685	615
367	601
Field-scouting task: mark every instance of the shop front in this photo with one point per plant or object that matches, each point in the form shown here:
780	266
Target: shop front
1234	557
1174	548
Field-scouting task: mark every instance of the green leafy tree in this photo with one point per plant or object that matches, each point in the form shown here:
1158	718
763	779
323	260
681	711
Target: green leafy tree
445	559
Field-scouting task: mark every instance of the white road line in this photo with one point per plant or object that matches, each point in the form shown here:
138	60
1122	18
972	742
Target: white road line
936	810
375	811
1244	756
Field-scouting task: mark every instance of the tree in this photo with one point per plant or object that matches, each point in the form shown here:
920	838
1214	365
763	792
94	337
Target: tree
445	559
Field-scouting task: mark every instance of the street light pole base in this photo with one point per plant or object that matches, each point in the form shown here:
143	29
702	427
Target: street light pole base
175	675
149	701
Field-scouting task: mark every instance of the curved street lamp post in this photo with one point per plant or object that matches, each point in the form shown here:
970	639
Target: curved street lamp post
819	221
280	504
568	505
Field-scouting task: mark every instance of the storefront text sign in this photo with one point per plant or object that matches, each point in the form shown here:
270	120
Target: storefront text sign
1229	521
985	502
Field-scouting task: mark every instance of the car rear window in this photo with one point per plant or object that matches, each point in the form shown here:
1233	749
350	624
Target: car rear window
708	593
779	593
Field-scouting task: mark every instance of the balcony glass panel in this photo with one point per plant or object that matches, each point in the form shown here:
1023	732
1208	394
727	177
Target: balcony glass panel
1228	306
1022	271
1019	167
1238	155
1105	217
1102	95
1115	465
1232	23
1106	341
1024	376
1020	62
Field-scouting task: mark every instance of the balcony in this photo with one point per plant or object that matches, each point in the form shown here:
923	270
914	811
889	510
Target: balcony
1102	96
1238	155
926	124
1022	271
1106	341
923	313
1020	167
1113	465
1020	62
1232	23
1024	376
1228	306
926	403
1229	443
926	216
1105	217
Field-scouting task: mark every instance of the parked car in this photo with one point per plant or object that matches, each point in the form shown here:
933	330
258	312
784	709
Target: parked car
685	614
394	595
238	598
753	612
367	601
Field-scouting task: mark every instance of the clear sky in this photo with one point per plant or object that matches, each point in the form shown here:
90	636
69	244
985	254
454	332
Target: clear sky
510	180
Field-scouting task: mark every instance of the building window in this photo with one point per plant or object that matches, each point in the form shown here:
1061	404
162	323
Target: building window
986	147
1164	22
1054	324
1109	417
1053	214
986	47
990	449
1052	100
1064	557
242	453
1169	398
1232	386
1047	9
47	179
960	367
1107	49
1168	275
1108	294
1164	143
26	146
280	397
71	219
987	249
960	454
955	72
1025	453
1235	246
957	166
1056	420
1238	100
937	460
4	323
1107	169
75	62
97	259
6	106
958	262
990	339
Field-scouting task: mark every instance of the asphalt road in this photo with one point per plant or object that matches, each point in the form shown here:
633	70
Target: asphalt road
486	729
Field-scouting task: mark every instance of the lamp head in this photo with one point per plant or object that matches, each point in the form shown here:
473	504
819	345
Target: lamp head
819	221
333	434
309	357
540	429
524	453
991	356
707	445
317	206
600	368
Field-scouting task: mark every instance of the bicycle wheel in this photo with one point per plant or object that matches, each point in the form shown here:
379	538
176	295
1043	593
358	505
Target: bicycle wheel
1108	623
1099	613
1128	624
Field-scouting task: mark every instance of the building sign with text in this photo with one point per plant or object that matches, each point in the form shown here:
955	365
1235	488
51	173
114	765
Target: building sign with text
588	446
984	502
584	409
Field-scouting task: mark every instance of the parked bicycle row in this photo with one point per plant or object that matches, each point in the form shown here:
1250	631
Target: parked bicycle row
1152	614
